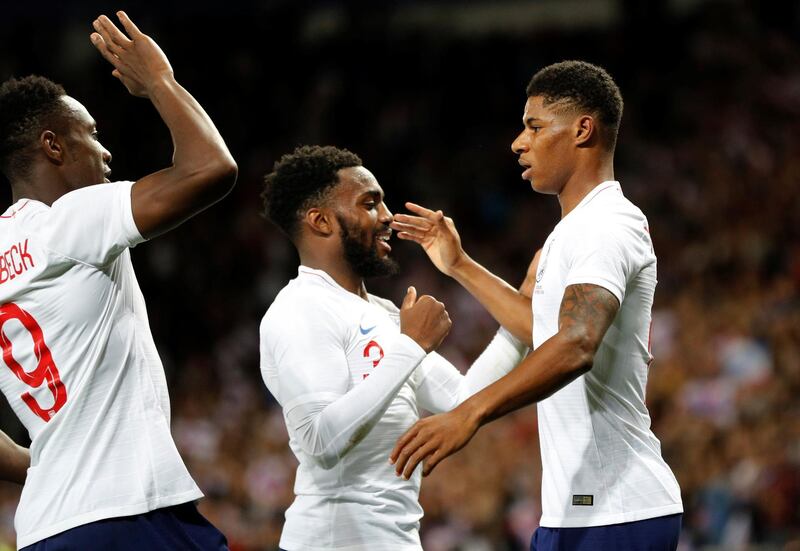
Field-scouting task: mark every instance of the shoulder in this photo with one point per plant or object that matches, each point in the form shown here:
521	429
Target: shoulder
609	218
25	211
385	304
90	194
305	303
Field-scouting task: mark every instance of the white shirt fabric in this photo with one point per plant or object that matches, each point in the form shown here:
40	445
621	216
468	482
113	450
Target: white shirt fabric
349	386
80	368
601	462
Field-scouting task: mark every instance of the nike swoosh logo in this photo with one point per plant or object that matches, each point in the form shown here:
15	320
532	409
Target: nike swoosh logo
367	330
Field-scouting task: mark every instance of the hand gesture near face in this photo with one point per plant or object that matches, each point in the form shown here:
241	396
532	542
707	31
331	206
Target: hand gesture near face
138	61
435	232
424	320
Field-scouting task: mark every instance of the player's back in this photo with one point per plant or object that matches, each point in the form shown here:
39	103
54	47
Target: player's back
81	370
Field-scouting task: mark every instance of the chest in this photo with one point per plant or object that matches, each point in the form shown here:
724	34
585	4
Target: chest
551	277
369	339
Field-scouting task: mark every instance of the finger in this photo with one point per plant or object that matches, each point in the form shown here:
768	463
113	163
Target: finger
118	36
432	461
416	221
409	237
400	225
101	47
402	458
402	441
102	30
421	453
410	298
115	73
421	211
415	233
130	27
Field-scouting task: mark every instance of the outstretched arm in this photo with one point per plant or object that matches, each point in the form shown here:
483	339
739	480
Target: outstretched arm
14	460
203	170
586	313
437	235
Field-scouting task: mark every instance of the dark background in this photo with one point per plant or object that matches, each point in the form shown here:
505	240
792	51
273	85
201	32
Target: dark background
430	94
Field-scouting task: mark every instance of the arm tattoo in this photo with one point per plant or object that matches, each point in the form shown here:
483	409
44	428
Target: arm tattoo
587	310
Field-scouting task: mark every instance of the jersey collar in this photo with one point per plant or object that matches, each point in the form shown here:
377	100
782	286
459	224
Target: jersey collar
598	189
305	271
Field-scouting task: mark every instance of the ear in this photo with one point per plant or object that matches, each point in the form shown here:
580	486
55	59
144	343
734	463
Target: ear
585	130
320	221
51	146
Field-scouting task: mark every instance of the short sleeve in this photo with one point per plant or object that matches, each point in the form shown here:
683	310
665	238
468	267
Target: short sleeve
606	254
93	224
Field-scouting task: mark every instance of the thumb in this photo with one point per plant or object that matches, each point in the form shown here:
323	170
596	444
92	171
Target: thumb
411	298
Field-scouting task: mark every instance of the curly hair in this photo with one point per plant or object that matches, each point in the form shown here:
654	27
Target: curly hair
581	85
301	179
28	106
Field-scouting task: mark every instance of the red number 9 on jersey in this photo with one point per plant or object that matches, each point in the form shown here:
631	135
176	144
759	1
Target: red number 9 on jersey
45	370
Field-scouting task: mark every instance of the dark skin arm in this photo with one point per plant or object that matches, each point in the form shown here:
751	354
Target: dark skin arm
14	460
586	313
203	170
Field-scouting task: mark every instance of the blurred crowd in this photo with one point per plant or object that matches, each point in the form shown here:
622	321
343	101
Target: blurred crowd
709	149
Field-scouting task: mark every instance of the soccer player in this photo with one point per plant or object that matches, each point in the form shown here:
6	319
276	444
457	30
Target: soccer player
81	369
349	369
605	485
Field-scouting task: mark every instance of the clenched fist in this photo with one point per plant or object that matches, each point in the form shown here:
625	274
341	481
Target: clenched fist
425	320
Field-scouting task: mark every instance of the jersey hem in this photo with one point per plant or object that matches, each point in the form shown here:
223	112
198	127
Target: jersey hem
606	520
102	514
297	546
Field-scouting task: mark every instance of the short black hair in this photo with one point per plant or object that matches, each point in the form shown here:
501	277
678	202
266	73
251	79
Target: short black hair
300	179
584	86
28	106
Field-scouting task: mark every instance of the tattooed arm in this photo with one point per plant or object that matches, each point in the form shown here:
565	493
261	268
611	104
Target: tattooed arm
586	313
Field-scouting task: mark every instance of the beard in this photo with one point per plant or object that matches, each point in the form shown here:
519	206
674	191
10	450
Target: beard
364	260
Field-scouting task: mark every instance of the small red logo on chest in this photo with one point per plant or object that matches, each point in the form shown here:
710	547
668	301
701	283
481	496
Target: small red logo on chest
369	352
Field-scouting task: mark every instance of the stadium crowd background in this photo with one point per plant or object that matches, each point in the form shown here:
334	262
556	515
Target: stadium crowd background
430	94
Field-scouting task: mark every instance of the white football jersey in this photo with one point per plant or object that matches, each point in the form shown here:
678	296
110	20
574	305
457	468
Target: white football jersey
350	384
601	462
80	369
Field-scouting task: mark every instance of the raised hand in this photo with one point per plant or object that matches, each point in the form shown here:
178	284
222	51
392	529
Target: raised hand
432	439
435	232
138	61
425	320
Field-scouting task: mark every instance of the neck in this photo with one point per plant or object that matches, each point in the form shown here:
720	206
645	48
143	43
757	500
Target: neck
337	267
583	181
43	186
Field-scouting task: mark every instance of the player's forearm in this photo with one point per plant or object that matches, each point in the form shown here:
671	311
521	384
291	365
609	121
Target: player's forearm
503	354
505	303
556	363
14	461
199	147
328	433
